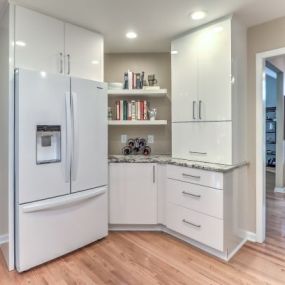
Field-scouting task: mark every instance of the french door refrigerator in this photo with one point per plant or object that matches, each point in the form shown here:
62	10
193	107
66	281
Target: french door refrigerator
60	165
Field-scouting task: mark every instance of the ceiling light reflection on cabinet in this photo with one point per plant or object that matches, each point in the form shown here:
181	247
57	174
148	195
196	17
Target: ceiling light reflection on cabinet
174	52
95	61
218	29
20	43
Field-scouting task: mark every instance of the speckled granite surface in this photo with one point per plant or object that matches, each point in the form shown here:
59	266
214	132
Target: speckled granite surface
167	159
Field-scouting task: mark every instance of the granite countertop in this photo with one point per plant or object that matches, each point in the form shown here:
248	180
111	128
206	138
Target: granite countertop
167	159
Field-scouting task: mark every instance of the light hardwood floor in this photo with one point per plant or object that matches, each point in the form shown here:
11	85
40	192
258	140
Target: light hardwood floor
154	258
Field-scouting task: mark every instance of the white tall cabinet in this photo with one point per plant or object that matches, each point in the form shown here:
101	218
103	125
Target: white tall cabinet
53	46
208	93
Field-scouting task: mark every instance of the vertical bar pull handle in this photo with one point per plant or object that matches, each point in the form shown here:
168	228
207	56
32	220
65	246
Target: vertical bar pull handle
68	64
153	173
61	62
200	109
75	136
68	137
193	110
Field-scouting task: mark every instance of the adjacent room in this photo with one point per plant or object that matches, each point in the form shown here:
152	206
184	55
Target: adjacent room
142	142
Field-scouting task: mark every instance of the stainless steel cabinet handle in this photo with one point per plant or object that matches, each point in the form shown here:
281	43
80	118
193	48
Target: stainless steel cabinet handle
68	64
61	62
193	110
153	174
191	224
190	194
200	109
190	176
197	152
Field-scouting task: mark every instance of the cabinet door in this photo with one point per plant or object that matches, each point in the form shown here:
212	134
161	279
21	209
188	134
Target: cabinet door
214	72
133	193
84	53
184	79
203	141
39	41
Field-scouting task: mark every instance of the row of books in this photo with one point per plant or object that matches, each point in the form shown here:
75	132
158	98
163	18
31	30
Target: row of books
131	110
133	80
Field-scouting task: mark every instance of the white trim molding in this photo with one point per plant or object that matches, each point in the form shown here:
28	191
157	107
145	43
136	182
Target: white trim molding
4	239
260	141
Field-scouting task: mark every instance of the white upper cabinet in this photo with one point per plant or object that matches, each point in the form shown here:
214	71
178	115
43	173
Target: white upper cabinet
84	53
46	44
184	79
39	41
214	73
201	74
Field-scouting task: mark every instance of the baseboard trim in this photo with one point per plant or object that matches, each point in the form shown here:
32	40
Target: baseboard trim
247	235
4	239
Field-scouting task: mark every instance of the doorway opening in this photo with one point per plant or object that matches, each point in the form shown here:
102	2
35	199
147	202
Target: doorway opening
270	151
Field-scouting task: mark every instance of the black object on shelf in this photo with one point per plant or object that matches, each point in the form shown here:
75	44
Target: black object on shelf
271	136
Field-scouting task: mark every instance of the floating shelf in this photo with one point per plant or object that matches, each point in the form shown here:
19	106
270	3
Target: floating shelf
138	92
137	123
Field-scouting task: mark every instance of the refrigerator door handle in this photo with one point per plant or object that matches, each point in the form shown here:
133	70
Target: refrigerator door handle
75	136
62	201
68	137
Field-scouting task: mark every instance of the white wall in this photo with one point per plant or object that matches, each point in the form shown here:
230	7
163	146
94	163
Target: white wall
7	134
260	38
4	120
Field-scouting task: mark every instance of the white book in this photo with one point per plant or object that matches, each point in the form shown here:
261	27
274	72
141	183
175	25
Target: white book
130	79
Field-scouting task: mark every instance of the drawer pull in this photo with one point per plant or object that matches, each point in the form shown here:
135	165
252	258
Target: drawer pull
190	194
197	152
190	176
191	224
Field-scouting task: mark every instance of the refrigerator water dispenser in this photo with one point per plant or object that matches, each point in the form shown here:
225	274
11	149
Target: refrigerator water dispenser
48	144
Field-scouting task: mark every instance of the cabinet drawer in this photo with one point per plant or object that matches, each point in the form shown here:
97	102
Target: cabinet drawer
203	141
199	227
196	176
195	197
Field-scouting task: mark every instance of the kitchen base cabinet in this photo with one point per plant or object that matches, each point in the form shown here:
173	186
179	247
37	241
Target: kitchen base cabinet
204	208
133	193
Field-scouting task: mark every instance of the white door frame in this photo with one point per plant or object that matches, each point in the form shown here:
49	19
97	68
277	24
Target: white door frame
260	141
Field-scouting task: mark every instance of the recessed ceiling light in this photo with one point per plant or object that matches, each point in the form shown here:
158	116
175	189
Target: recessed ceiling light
131	35
95	62
174	52
20	44
198	15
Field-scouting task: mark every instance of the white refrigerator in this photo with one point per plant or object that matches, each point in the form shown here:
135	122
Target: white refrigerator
60	165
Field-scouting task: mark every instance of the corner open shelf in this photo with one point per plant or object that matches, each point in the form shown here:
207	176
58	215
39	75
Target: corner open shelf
138	92
137	123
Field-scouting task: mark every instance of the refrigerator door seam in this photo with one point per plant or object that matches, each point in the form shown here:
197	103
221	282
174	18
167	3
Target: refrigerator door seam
75	136
68	137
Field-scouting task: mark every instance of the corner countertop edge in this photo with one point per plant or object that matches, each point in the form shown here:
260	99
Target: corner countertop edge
168	159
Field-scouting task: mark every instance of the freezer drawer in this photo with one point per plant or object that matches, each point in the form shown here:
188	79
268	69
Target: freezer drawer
53	227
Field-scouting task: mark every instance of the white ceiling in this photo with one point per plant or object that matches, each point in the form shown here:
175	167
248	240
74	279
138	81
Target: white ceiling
155	21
